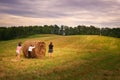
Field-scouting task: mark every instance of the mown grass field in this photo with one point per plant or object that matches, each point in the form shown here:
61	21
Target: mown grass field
78	57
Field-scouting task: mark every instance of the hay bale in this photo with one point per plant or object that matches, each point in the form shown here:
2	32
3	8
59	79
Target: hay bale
39	50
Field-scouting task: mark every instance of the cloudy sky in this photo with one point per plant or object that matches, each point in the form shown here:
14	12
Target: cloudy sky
101	13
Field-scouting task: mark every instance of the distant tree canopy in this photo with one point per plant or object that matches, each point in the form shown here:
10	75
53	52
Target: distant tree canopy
7	33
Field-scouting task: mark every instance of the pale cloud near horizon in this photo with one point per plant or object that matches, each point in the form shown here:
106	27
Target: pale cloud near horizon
101	13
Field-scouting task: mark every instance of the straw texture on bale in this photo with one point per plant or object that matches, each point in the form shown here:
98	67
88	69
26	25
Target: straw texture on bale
37	52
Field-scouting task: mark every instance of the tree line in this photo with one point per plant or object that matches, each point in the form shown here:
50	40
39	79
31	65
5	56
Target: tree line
7	33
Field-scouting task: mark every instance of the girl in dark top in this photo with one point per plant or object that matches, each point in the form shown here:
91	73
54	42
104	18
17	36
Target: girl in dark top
50	50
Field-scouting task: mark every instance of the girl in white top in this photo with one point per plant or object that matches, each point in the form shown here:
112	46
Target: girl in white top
30	50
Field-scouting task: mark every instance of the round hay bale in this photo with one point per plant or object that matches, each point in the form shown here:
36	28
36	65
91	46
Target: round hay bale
37	52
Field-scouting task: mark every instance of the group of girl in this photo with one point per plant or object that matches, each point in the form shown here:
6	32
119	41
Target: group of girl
19	47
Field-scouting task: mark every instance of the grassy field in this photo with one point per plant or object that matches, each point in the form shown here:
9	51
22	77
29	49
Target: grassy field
78	57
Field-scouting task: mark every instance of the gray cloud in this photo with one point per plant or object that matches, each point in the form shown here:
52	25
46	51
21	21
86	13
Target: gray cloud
9	1
90	11
37	9
46	8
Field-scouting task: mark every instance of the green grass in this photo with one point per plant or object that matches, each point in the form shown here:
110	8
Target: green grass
78	57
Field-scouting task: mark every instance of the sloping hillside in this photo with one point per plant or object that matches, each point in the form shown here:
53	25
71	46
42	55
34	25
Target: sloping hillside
78	57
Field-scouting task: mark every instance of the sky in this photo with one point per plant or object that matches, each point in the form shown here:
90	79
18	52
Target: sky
100	13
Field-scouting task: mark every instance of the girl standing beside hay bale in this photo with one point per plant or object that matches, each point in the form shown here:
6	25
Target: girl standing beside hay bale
18	49
50	50
30	48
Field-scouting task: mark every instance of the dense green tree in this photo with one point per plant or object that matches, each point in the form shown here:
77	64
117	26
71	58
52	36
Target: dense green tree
7	33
